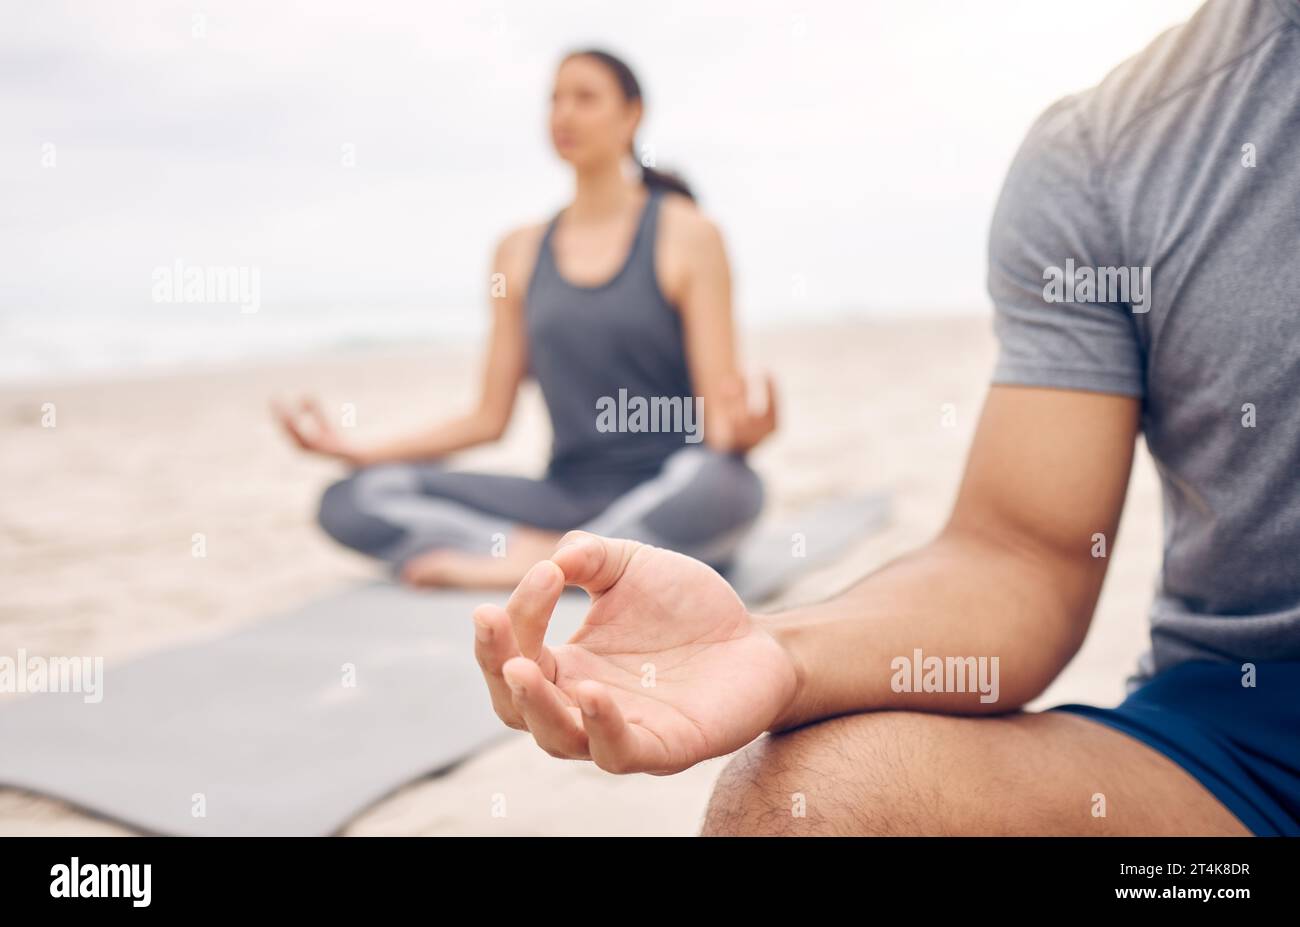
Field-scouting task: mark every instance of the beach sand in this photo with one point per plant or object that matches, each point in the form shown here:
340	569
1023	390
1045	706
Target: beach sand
99	515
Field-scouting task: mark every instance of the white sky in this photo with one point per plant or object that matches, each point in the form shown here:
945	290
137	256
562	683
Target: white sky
858	144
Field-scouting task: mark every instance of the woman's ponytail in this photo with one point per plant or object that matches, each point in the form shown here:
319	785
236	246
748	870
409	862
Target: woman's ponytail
666	181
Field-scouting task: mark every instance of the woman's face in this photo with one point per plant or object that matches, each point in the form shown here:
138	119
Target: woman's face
591	122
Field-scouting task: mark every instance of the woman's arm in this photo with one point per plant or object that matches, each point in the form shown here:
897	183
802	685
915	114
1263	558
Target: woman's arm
504	368
698	280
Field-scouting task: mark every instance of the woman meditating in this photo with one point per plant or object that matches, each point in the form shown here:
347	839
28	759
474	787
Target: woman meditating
619	305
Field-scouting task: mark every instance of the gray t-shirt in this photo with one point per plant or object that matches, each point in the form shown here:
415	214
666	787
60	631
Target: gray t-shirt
1185	160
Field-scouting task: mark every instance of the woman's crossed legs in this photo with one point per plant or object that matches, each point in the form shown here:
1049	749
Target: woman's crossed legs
441	527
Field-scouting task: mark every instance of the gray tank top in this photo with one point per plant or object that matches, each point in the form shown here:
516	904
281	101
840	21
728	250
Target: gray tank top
589	342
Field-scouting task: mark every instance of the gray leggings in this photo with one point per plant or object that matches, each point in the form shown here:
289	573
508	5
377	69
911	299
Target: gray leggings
701	503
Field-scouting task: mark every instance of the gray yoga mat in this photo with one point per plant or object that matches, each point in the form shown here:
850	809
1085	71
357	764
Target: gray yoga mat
259	731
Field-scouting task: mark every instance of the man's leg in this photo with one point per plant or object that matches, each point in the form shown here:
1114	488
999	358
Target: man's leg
895	773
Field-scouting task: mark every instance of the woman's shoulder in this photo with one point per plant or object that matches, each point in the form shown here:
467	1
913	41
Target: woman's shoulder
521	238
689	246
683	220
516	250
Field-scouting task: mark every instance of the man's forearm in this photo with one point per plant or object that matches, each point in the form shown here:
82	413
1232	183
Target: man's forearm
962	613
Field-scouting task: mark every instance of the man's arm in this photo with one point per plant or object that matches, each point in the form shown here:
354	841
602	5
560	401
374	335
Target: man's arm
1012	575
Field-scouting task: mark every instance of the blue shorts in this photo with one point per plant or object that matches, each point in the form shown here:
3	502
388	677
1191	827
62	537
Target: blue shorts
1241	743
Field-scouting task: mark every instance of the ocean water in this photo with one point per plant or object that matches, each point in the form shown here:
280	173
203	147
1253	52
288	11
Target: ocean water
64	345
85	345
59	346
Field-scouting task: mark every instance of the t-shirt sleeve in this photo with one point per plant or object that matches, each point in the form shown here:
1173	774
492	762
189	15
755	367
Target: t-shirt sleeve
1050	211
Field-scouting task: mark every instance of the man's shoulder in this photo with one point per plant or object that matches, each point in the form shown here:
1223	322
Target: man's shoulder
1170	72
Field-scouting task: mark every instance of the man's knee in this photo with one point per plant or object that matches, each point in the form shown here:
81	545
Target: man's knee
858	774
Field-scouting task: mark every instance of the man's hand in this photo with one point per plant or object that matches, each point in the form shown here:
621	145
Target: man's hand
668	668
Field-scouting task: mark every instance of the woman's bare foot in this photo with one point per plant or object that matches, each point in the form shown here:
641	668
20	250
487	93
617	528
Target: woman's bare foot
444	568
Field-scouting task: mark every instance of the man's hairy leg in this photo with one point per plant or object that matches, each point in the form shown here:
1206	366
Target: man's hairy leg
901	772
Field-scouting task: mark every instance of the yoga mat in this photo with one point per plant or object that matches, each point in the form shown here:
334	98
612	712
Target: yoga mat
260	733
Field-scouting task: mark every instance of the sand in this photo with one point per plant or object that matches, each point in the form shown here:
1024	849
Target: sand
99	516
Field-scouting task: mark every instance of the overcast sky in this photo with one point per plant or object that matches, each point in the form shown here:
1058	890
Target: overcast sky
857	147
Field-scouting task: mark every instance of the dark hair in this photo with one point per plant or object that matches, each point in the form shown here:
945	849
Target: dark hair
631	87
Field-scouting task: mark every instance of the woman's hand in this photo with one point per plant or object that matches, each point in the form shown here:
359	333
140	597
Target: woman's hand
308	428
668	669
739	427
